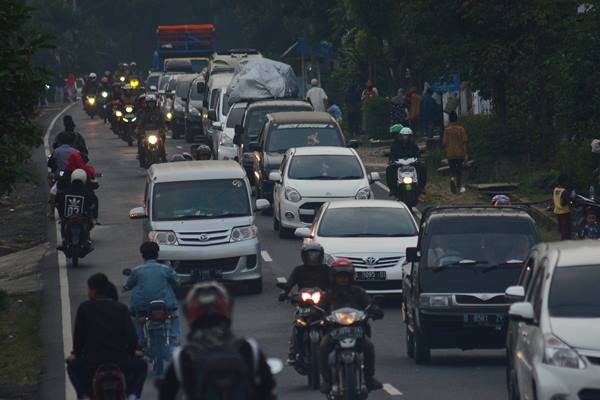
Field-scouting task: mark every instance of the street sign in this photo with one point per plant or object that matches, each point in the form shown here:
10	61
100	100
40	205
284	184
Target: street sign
447	86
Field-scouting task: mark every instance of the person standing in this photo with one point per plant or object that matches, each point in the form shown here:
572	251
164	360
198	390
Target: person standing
428	111
414	109
71	87
562	208
59	86
369	91
317	96
455	142
398	112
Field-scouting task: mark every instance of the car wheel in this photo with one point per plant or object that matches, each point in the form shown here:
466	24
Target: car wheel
255	286
410	343
284	233
421	349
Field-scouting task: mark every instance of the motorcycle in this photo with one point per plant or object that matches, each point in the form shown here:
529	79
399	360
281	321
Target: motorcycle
309	320
104	109
348	327
128	124
580	206
152	148
76	243
109	383
407	189
91	108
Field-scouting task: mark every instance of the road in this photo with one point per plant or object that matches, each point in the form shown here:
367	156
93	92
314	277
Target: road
452	374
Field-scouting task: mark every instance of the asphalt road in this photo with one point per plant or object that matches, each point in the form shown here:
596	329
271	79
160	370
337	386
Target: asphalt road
452	374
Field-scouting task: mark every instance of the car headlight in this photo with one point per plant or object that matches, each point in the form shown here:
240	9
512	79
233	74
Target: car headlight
226	140
169	115
152	139
129	109
193	111
163	237
363	194
559	354
104	95
435	300
118	113
292	194
407	180
178	107
243	233
329	259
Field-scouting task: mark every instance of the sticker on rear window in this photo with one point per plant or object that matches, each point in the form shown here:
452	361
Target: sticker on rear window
236	183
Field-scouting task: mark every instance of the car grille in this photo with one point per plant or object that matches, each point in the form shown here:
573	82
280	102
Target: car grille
469	299
374	262
589	394
308	211
203	238
223	264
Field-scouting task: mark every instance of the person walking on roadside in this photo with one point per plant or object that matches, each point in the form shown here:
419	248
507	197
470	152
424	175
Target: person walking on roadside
71	87
317	96
369	91
59	86
428	111
414	110
398	113
562	208
455	142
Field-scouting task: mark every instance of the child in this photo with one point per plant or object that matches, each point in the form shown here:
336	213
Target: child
591	230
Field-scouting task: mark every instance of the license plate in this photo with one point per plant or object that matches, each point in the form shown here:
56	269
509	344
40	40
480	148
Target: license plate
483	319
370	276
128	116
199	275
304	310
347	332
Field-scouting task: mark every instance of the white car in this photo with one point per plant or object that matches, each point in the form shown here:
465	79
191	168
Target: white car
223	144
373	234
311	176
556	349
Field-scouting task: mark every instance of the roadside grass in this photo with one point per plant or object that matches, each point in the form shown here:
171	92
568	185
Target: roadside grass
20	345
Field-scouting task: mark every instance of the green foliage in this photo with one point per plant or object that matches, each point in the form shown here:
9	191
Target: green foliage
4	299
377	114
22	83
574	158
487	144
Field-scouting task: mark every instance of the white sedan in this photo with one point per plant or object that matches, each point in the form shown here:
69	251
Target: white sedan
311	176
373	234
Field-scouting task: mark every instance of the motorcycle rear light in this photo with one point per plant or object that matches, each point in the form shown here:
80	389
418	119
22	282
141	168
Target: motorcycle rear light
315	297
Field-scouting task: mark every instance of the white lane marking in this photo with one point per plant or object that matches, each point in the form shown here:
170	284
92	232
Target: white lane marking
266	256
179	147
63	277
381	185
391	390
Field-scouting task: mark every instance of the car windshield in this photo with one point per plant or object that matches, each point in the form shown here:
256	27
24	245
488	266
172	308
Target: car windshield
153	80
479	242
574	292
235	117
209	199
367	222
182	88
325	167
256	117
285	136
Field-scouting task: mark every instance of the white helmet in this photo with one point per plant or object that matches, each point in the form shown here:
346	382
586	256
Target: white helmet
406	131
596	146
78	175
93	76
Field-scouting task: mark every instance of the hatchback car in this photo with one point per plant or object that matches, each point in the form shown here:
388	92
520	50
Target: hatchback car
373	234
201	213
556	351
311	176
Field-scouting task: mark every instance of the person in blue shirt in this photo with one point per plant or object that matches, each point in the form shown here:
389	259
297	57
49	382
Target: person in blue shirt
149	282
336	112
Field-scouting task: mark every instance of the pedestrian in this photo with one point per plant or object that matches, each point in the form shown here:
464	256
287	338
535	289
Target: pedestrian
562	207
352	100
455	142
71	87
428	110
369	91
59	86
399	110
336	112
317	96
414	109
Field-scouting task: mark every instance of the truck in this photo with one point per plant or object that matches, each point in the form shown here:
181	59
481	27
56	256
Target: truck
193	42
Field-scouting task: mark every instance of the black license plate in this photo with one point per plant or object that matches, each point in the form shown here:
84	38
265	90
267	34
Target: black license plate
199	275
371	276
481	319
347	332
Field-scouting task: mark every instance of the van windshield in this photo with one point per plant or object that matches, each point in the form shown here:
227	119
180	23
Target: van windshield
256	117
187	200
182	88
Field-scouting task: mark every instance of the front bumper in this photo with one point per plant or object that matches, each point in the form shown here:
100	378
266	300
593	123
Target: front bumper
558	383
302	213
229	262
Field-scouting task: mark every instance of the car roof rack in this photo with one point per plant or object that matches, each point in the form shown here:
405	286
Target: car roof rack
524	207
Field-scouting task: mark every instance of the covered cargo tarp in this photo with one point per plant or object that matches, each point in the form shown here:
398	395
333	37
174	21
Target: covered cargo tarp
261	79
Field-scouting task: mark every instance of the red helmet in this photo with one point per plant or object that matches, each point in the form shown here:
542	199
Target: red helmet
206	301
104	80
342	266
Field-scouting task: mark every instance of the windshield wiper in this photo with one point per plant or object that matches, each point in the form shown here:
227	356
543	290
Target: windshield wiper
461	263
184	217
230	215
348	177
496	266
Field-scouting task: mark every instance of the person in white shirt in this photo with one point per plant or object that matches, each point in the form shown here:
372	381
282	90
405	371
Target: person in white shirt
317	96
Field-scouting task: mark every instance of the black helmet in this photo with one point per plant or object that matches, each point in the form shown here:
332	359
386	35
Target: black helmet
312	254
201	152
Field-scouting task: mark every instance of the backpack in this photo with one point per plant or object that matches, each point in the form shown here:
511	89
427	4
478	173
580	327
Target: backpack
220	372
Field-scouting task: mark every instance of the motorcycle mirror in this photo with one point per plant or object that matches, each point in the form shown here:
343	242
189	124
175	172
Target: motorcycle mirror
127	271
275	364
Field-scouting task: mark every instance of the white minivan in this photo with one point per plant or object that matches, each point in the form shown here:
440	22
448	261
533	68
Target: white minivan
201	213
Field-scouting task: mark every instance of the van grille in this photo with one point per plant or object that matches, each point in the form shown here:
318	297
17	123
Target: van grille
203	238
470	299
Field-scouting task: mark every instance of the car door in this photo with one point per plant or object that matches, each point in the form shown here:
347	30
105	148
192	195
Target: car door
259	156
513	326
278	187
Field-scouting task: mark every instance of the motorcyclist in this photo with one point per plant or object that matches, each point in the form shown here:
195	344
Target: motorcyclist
76	140
133	68
403	147
149	282
104	86
90	87
312	273
208	310
151	119
76	200
120	74
343	293
76	161
104	334
201	152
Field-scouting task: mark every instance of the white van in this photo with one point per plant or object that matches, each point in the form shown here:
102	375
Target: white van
201	213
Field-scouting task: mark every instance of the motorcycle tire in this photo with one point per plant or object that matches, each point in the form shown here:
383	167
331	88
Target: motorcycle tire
314	377
350	390
158	344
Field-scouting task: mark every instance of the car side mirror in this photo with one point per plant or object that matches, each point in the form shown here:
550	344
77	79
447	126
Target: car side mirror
281	283
515	293
521	311
262	204
253	146
275	176
352	144
303	233
127	271
374	177
212	115
201	87
137	213
412	254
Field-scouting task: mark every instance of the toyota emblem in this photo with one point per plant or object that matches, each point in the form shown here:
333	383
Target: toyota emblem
370	260
203	237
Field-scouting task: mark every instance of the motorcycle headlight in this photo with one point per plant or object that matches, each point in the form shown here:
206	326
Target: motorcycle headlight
434	300
559	354
178	107
242	233
134	83
118	113
104	95
163	237
407	180
346	318
122	78
193	111
169	115
152	139
292	194
91	101
129	109
363	194
226	140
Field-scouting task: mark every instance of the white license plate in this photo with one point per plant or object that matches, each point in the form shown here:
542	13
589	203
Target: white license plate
371	276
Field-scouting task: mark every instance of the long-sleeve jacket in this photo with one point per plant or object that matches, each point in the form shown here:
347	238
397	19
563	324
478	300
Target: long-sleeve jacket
305	276
455	141
400	149
152	281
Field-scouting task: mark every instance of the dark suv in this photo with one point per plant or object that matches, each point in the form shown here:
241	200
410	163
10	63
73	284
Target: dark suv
455	279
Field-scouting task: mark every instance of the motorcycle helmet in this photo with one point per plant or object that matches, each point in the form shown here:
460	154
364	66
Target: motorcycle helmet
177	158
208	302
342	266
596	146
107	73
396	128
501	200
104	80
406	131
312	254
150	99
133	65
78	175
92	77
202	152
